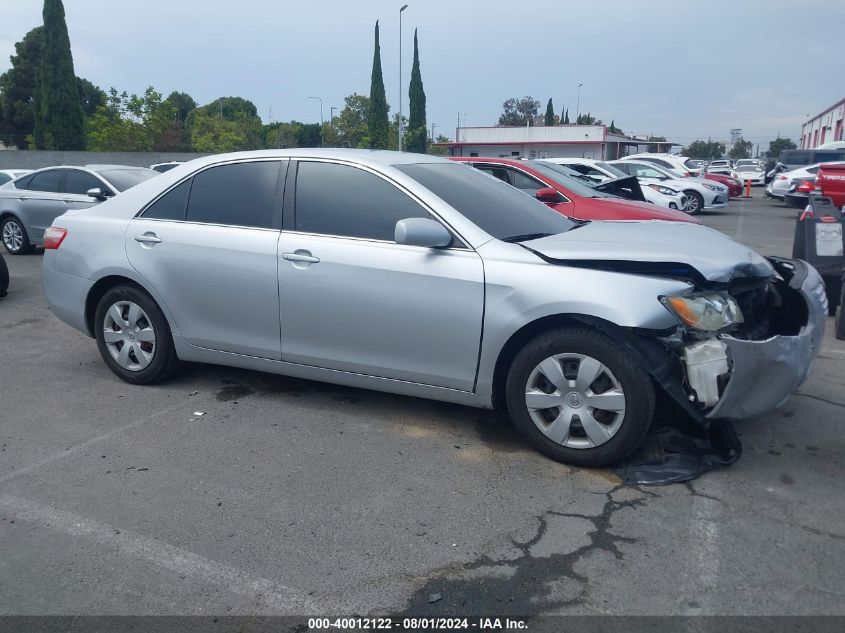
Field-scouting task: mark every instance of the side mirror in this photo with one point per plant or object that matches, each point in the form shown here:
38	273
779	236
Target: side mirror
97	193
548	195
422	232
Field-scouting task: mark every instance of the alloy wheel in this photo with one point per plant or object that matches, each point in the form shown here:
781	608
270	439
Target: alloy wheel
575	400
129	335
692	204
12	236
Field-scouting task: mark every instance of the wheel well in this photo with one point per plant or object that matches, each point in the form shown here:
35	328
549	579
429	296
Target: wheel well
96	293
517	341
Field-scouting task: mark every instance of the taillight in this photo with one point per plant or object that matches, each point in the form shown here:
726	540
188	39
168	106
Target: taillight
781	178
53	237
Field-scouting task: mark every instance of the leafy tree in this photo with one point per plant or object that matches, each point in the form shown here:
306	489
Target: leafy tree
90	96
352	123
18	87
417	138
516	112
550	114
613	129
178	137
239	126
705	150
377	121
657	139
393	132
58	113
741	149
439	151
183	103
778	145
587	119
133	123
19	84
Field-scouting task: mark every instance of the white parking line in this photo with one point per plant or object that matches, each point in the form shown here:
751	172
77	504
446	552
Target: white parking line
273	597
94	440
704	536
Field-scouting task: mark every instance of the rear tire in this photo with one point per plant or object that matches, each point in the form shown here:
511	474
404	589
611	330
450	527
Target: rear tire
591	404
696	202
14	236
133	336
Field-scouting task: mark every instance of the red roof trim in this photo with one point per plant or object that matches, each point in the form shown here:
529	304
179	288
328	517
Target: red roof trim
825	111
529	143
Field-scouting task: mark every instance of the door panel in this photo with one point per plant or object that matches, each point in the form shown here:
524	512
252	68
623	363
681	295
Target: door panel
381	309
220	283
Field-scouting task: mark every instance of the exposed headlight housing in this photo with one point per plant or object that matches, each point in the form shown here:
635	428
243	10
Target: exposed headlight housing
708	312
666	191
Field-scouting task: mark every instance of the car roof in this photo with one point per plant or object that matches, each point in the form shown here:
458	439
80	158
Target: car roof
372	157
106	166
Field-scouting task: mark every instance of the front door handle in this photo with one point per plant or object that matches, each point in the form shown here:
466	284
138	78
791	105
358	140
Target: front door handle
148	238
22	198
301	256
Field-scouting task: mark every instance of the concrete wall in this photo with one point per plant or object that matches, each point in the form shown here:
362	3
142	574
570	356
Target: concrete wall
36	159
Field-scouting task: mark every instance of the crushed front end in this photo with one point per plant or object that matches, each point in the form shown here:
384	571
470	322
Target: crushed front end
753	365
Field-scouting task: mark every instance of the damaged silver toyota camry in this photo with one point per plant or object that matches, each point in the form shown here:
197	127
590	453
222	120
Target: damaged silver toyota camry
420	276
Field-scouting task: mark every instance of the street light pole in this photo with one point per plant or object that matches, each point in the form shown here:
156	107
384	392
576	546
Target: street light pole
404	6
321	118
331	114
578	104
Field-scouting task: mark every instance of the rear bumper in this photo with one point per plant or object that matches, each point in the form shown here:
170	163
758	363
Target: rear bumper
765	373
66	295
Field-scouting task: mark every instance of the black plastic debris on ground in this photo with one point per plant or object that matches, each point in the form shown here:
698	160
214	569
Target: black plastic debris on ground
677	450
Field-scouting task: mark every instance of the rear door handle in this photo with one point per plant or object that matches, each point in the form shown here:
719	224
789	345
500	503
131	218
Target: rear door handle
301	256
22	198
148	238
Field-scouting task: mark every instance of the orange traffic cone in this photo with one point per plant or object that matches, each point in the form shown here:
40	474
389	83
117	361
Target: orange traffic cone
747	188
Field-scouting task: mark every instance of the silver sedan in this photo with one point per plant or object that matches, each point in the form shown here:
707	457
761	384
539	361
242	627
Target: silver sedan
29	204
417	275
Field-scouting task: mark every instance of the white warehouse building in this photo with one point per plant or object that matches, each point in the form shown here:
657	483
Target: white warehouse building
826	127
564	141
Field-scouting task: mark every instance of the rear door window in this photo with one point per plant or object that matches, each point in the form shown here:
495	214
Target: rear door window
79	182
47	181
239	194
172	205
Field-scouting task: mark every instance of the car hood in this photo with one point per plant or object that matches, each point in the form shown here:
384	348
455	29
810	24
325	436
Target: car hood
661	248
620	209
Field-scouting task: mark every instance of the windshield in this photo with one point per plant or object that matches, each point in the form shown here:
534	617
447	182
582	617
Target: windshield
575	182
125	177
492	205
749	167
611	169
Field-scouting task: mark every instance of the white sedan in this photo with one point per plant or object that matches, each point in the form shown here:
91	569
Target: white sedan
601	171
750	171
703	195
780	184
10	174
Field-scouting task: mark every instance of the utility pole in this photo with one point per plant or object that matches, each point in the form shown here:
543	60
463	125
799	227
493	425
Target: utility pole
321	118
433	125
578	104
404	6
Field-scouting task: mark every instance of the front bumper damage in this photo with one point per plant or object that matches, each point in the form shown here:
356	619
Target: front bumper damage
731	376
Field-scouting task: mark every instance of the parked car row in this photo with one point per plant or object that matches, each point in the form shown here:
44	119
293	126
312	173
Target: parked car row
783	182
429	277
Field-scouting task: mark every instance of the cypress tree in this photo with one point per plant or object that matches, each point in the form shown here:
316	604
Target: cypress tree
550	114
416	141
377	122
58	113
566	118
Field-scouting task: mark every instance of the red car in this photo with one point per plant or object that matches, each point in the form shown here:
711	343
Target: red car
569	196
831	180
734	186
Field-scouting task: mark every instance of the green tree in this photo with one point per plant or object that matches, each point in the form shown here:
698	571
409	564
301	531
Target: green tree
377	121
550	114
416	139
566	118
439	150
58	113
90	96
518	112
132	123
741	149
778	145
613	129
18	87
705	150
183	103
351	124
239	128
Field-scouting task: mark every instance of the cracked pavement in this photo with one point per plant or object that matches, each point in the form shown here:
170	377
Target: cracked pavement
288	496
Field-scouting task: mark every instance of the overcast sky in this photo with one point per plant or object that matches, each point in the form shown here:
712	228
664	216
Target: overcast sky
681	69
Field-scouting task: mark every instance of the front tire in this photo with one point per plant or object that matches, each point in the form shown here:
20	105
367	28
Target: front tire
578	397
14	236
696	202
133	336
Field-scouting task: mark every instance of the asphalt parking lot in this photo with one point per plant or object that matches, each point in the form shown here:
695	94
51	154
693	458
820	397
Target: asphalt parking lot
233	492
